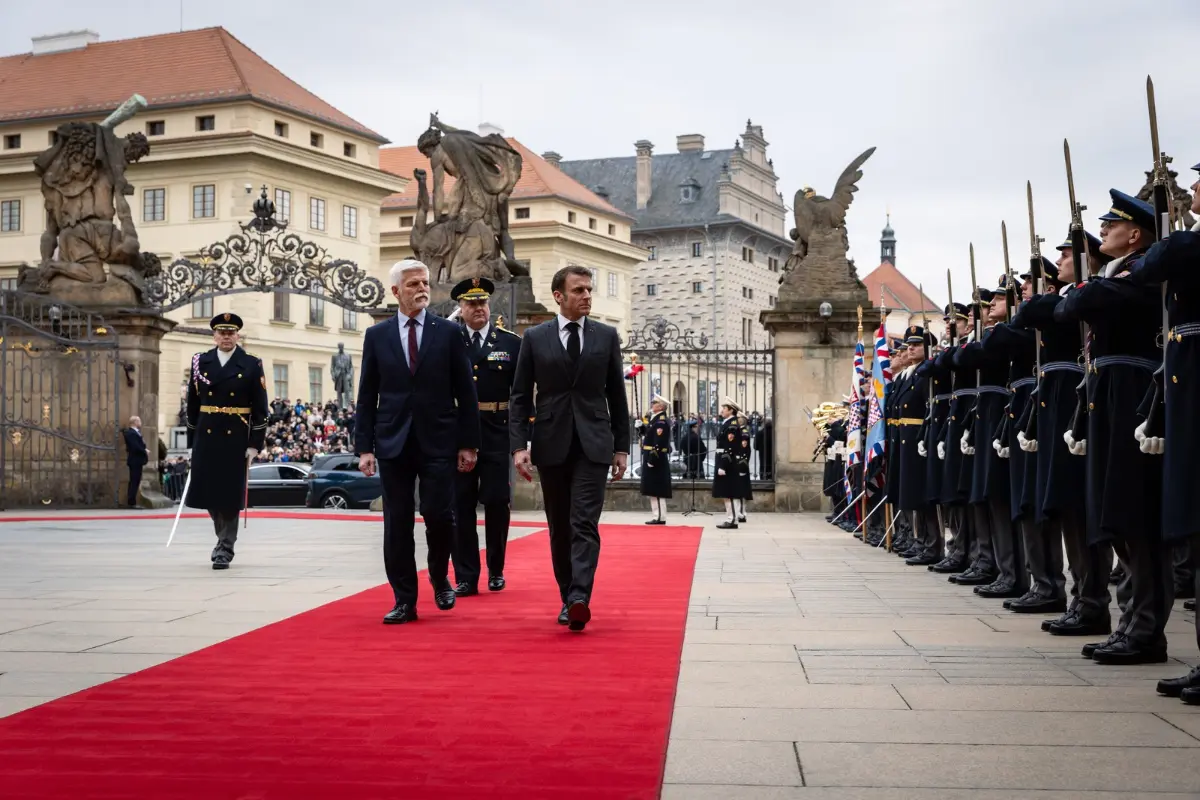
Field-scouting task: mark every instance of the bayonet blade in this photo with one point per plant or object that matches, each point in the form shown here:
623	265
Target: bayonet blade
1071	184
1157	154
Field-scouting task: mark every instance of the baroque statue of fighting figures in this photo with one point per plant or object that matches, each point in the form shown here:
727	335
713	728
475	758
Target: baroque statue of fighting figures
467	236
88	220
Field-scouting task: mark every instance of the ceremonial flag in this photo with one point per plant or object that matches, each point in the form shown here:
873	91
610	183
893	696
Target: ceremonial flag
881	378
854	420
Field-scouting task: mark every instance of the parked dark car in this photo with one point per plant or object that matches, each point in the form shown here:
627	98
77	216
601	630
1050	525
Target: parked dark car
335	482
278	484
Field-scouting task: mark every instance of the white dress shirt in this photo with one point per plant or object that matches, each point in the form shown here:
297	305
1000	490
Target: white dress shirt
224	357
483	333
402	321
564	334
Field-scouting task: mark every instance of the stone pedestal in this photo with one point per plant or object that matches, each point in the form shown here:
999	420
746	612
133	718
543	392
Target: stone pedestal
814	359
139	337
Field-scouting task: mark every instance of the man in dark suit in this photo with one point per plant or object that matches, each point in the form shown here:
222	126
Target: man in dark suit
418	417
136	457
579	430
227	426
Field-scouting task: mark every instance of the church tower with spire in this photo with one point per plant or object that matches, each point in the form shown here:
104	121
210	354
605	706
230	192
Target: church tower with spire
887	244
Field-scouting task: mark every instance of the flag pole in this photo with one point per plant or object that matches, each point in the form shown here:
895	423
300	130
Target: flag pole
862	458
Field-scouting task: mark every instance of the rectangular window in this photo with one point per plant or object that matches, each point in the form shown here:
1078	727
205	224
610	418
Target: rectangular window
746	331
281	380
8	284
349	150
349	319
591	223
612	284
595	278
316	310
697	287
773	264
651	253
651	289
697	249
154	205
282	311
12	141
522	213
748	254
771	300
745	292
156	127
281	129
283	204
203	308
204	201
350	221
316	140
316	213
571	217
750	294
612	229
314	384
407	222
10	216
206	123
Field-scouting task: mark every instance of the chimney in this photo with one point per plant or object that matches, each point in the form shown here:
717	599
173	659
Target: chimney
644	149
552	158
690	142
60	42
488	128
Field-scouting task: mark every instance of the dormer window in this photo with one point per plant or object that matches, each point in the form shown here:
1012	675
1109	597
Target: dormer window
689	191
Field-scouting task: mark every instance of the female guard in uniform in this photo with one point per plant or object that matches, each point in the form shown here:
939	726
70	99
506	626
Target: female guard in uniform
726	481
656	466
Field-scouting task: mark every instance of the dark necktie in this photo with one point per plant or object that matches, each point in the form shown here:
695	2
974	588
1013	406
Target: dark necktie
476	343
573	341
412	345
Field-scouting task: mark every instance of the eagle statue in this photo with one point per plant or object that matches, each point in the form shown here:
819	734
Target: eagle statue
815	213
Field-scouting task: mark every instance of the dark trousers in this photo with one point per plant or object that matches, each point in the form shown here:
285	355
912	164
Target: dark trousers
1181	558
574	496
1044	556
496	516
1151	586
1196	582
983	556
1090	566
929	536
135	482
225	522
960	533
434	478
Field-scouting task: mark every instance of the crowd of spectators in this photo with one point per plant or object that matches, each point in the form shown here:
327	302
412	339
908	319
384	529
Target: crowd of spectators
301	431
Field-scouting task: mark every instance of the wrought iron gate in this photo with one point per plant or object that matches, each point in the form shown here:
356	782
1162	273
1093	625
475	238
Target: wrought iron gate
59	405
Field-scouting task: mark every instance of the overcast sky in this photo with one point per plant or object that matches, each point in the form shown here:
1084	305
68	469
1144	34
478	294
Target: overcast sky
964	99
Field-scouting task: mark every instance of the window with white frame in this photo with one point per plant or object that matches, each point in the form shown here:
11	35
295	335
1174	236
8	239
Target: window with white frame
316	213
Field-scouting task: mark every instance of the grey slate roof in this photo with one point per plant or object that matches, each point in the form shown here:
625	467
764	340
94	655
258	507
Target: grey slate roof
618	177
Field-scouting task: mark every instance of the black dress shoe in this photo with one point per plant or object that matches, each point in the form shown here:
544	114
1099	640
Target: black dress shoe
1189	605
495	583
464	589
443	594
975	578
1076	625
1022	599
578	615
1127	651
1089	650
562	616
1191	696
742	518
402	613
1173	687
656	522
922	560
947	566
727	526
220	565
997	590
1039	605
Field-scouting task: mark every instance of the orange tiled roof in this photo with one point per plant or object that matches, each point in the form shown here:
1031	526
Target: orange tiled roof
200	66
538	178
897	291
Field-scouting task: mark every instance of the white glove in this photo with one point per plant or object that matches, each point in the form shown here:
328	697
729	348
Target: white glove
1076	448
967	450
251	452
638	425
1028	445
1150	445
942	450
922	451
721	472
1000	449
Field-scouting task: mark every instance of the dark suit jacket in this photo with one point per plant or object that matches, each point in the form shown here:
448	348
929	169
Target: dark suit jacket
587	399
438	405
135	448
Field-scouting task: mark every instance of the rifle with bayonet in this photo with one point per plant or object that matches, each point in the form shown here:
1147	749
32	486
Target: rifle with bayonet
1002	430
1029	427
968	440
1079	257
1155	425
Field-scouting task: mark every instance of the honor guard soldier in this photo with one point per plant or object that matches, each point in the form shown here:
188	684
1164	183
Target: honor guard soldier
744	490
656	454
1124	485
493	353
936	370
226	427
729	450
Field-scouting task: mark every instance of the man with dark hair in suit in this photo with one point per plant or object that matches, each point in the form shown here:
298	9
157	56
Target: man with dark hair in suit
136	457
579	430
418	417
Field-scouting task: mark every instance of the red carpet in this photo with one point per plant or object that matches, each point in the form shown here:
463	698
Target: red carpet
490	700
326	515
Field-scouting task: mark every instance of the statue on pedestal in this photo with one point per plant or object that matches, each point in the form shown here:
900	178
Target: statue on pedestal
88	221
468	237
342	370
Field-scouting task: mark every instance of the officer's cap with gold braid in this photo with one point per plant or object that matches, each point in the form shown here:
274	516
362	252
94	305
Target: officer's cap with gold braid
1129	209
225	322
473	289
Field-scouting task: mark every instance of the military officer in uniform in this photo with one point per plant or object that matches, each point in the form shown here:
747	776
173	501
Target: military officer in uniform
729	447
492	352
226	427
744	490
656	453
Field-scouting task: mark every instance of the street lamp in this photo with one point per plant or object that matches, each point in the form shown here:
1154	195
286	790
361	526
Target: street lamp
826	311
